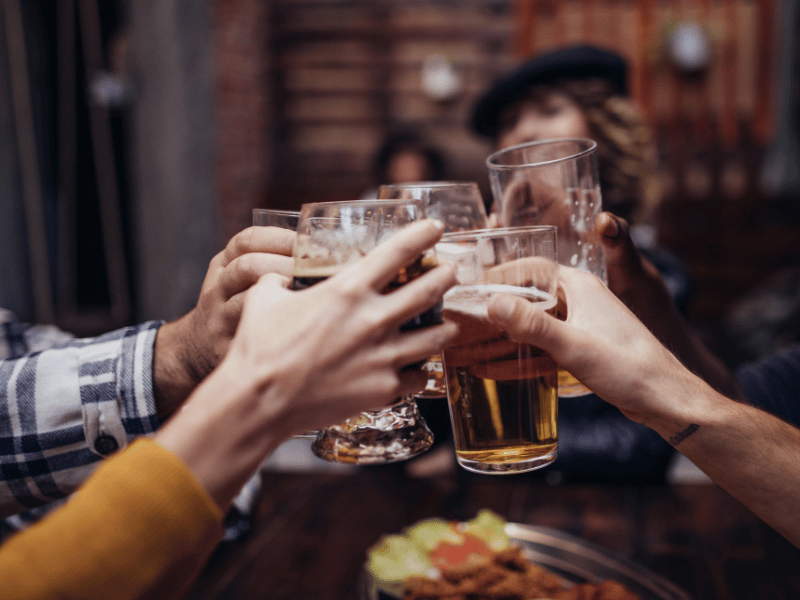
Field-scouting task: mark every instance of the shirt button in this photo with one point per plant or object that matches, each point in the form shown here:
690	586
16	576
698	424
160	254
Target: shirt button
105	444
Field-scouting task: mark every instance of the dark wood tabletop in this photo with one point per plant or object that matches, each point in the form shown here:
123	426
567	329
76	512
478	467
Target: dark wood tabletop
312	532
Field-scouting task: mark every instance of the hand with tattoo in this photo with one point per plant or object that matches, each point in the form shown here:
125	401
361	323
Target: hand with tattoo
615	355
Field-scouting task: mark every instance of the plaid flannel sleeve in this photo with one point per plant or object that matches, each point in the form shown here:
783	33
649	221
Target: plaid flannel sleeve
64	408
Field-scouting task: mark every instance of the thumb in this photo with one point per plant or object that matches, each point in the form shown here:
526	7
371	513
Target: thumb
624	262
526	323
614	233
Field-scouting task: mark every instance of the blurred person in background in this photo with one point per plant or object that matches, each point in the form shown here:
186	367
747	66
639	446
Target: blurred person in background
66	403
405	157
581	91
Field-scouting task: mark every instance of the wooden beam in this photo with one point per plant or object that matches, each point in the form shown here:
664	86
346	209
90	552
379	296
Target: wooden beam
29	162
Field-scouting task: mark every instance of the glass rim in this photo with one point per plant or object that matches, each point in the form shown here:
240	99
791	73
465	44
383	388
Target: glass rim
363	202
495	232
590	147
427	184
272	211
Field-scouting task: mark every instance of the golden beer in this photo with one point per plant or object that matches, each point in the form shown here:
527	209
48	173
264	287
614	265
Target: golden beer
569	386
503	395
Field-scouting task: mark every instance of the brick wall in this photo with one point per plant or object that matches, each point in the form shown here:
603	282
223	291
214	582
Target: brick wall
243	108
307	89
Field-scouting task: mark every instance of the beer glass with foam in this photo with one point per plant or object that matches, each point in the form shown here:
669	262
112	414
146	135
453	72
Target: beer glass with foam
553	182
457	204
331	235
503	396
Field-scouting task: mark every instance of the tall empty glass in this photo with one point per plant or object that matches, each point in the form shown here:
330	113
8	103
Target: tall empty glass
553	182
459	205
330	236
503	396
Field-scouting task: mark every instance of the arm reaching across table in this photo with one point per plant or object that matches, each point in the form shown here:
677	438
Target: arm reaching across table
144	525
66	403
750	453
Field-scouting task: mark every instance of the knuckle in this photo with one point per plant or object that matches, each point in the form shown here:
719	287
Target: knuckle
272	278
236	270
526	324
247	264
244	242
349	288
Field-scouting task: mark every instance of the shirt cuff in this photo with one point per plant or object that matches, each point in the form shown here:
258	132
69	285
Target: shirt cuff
118	402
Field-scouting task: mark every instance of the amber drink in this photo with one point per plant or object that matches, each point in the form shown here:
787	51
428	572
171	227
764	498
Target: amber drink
503	396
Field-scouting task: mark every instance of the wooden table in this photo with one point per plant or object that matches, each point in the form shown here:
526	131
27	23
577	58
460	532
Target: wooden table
312	532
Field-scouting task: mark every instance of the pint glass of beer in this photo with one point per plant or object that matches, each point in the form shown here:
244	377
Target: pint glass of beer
503	396
553	182
331	235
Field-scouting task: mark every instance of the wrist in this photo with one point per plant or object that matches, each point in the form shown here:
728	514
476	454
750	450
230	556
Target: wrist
225	430
686	404
173	379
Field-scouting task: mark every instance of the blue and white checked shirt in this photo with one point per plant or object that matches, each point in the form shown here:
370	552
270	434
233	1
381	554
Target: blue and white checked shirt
65	404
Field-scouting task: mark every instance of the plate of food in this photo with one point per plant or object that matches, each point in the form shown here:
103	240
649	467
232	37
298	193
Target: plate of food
487	557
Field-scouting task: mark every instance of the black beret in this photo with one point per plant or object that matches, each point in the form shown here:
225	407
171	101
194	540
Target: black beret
576	62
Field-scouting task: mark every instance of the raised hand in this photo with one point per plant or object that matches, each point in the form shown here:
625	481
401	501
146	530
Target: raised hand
189	348
301	360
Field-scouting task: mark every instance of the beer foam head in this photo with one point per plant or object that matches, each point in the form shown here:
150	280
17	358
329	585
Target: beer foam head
474	299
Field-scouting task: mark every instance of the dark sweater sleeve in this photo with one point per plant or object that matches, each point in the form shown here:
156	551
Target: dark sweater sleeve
773	383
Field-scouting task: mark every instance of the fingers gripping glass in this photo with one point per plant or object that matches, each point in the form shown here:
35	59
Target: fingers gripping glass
283	219
331	235
457	204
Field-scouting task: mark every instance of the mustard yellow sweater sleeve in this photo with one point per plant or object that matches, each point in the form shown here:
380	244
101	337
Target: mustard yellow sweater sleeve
140	527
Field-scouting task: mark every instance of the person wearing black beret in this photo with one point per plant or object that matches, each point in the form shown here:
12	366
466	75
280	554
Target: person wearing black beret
582	91
578	91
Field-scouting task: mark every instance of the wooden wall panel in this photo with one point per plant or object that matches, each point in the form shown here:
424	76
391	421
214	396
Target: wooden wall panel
346	75
732	93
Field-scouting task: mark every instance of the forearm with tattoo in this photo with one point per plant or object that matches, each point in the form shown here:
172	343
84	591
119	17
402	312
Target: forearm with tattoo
682	435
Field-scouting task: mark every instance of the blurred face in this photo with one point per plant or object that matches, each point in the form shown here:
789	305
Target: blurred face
408	167
545	113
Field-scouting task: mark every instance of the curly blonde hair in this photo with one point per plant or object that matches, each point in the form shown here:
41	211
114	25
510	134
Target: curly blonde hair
626	149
